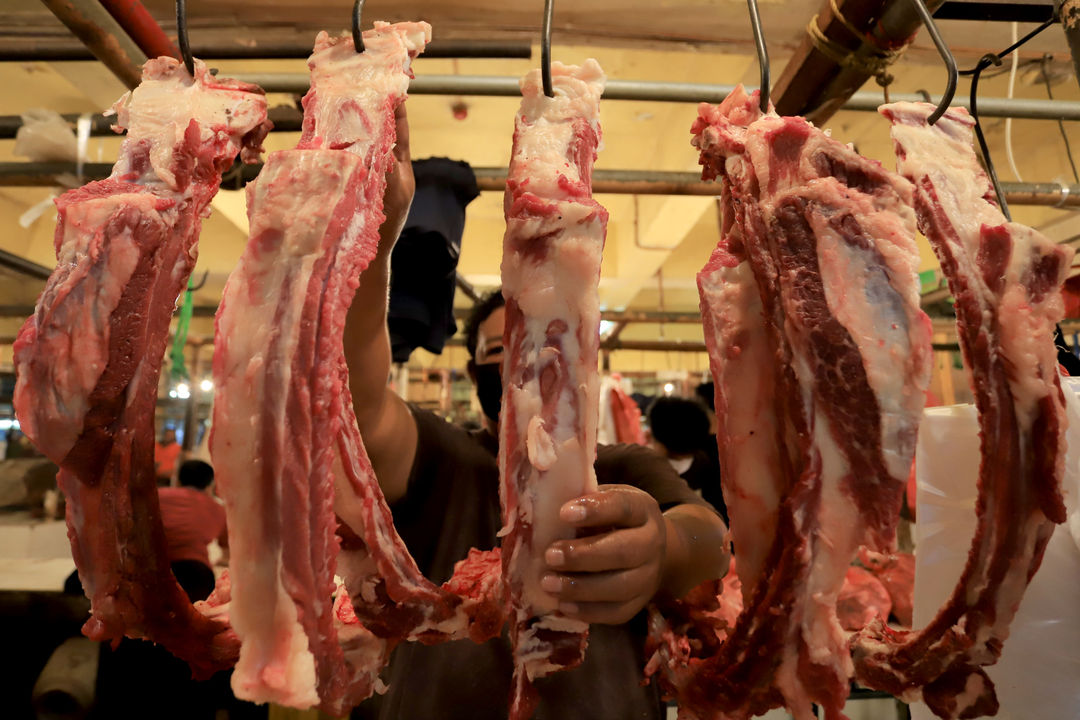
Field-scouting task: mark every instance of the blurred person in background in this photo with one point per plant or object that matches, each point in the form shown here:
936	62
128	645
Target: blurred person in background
681	429
193	519
166	453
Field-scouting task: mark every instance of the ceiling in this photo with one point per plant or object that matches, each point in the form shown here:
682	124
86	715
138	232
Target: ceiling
655	244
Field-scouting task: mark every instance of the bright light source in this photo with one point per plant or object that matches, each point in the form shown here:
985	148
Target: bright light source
606	326
8	424
206	385
669	388
172	393
183	391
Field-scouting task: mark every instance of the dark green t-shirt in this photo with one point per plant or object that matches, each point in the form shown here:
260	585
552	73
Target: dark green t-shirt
451	505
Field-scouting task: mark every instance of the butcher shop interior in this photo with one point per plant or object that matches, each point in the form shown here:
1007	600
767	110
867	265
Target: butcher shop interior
697	359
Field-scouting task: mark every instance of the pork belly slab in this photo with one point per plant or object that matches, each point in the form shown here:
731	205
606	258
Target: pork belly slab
1006	279
88	360
550	407
820	355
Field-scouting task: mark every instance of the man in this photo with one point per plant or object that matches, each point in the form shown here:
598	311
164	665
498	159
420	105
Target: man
192	520
680	430
642	533
166	453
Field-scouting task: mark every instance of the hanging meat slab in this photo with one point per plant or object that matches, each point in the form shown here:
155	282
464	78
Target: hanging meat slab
550	271
820	355
1006	279
88	360
291	464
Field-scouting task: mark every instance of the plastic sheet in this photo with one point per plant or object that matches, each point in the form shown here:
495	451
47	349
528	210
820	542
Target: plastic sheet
1038	675
45	136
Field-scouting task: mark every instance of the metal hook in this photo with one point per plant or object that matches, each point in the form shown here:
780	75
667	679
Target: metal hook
182	37
545	48
984	62
357	33
198	285
762	54
946	57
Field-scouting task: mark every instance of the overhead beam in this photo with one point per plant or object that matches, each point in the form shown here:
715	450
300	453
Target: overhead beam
102	35
500	86
69	49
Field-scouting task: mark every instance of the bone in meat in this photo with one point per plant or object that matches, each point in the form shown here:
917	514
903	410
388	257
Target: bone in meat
89	358
1006	279
550	271
827	238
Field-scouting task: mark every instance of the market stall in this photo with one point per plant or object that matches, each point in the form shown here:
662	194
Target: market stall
540	360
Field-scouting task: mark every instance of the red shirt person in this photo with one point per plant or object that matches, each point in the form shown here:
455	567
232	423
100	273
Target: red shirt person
192	519
166	453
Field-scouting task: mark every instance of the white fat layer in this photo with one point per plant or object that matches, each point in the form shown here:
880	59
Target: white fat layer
273	277
81	250
893	336
745	375
160	109
347	85
560	285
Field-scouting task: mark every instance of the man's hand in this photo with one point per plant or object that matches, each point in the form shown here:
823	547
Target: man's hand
608	577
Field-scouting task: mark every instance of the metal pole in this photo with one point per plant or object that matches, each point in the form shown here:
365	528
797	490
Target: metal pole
23	266
102	35
58	49
617	182
497	86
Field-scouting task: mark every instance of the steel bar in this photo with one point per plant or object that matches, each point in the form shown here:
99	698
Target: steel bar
285	119
24	267
1025	11
69	49
498	86
619	182
141	27
102	35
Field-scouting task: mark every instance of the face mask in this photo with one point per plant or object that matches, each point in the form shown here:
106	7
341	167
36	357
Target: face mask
489	389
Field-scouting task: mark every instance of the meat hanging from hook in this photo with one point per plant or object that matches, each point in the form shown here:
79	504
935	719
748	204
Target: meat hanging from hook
545	48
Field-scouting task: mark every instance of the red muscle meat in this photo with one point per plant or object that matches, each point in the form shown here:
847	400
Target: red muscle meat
550	406
820	356
88	360
291	464
1006	279
862	599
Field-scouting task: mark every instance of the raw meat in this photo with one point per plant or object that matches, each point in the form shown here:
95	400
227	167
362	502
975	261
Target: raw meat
550	271
88	360
862	598
1006	279
291	464
818	345
896	571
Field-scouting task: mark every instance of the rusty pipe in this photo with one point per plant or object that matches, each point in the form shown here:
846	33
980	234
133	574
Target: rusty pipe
102	35
141	27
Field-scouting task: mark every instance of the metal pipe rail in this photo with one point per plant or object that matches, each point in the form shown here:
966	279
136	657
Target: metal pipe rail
617	182
499	86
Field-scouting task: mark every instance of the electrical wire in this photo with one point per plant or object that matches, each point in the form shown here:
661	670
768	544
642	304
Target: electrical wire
1008	121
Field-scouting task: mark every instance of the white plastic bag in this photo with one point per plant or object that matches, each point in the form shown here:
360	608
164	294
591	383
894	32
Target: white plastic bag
45	137
1038	675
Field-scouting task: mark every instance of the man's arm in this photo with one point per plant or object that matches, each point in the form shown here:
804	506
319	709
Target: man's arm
609	577
386	424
